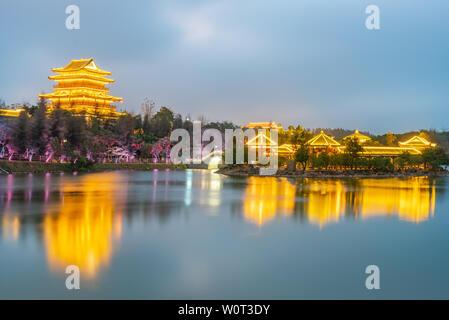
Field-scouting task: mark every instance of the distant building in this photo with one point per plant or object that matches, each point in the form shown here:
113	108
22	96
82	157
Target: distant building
263	125
417	142
414	145
11	113
81	90
322	141
361	138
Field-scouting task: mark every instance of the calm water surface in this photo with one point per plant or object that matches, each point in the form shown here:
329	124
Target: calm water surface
197	234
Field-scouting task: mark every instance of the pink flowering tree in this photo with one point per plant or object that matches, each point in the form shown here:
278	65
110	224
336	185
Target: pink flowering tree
161	149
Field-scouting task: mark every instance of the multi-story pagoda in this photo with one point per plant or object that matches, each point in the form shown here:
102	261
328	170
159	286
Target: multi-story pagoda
81	90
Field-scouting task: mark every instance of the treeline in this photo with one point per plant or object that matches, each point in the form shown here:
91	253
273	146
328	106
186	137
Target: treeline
63	136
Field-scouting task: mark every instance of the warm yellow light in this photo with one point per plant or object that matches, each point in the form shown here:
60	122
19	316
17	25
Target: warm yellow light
11	112
322	140
267	197
81	89
328	201
82	229
417	142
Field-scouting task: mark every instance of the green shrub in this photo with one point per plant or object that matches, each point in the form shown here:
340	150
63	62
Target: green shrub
81	163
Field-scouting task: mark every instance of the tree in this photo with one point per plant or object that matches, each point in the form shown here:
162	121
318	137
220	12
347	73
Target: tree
434	158
416	160
297	136
76	132
177	121
40	130
403	160
221	126
382	164
162	123
390	139
22	133
58	126
161	149
353	148
323	160
125	128
302	156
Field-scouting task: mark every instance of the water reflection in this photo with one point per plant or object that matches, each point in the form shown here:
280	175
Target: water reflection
328	201
78	219
213	184
86	224
10	227
266	197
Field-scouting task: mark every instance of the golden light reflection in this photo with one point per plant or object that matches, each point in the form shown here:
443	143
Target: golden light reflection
83	229
330	201
325	201
265	197
10	227
411	200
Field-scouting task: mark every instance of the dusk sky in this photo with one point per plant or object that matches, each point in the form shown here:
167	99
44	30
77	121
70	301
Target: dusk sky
309	62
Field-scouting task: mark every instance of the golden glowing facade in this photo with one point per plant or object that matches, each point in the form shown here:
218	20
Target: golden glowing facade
262	140
11	112
417	142
414	146
385	151
322	140
81	90
263	125
361	138
286	149
324	143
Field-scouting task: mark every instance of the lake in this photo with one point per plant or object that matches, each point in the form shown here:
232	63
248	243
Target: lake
196	234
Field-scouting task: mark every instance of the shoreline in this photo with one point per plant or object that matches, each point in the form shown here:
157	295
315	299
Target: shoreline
331	174
25	167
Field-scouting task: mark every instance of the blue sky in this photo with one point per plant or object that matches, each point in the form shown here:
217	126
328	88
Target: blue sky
311	62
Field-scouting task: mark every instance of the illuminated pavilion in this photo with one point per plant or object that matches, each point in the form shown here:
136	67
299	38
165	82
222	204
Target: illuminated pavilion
14	113
418	143
361	138
263	125
322	141
413	146
81	90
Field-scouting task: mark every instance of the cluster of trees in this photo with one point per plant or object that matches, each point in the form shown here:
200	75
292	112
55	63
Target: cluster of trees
295	136
63	136
432	159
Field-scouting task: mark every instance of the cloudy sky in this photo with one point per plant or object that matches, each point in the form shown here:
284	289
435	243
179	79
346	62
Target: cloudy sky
311	62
